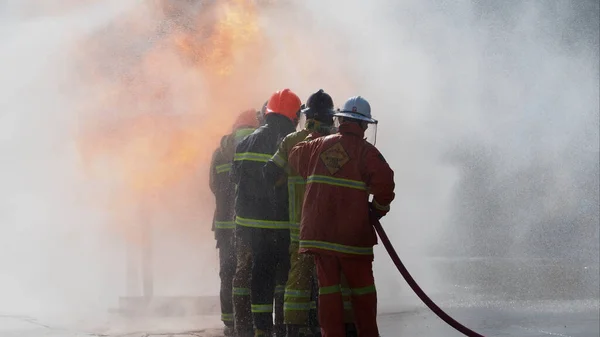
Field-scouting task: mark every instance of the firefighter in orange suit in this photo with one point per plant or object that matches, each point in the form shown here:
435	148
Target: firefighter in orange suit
341	171
223	222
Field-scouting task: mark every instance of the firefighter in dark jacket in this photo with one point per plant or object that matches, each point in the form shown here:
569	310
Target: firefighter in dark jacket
223	223
298	300
262	217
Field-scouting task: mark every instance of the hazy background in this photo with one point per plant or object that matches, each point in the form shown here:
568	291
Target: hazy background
109	112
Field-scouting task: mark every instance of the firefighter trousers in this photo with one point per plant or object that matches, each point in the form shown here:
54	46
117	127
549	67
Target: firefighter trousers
227	267
242	315
298	301
359	274
269	273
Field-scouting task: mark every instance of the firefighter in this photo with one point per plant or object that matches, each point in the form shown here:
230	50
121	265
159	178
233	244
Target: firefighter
298	295
262	217
341	171
223	222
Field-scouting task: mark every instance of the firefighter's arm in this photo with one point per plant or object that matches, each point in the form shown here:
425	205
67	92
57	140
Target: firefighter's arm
276	169
380	181
212	178
298	158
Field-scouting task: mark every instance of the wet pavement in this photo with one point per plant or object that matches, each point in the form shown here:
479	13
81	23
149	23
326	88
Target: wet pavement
578	318
527	319
557	304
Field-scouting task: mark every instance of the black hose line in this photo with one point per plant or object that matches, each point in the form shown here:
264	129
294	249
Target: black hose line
415	287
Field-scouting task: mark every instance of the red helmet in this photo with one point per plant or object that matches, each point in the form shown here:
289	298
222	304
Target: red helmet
286	103
246	118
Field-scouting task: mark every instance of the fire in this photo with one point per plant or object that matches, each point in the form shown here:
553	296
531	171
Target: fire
156	127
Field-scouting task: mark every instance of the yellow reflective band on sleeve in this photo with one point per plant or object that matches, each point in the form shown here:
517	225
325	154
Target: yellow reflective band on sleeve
364	290
267	224
298	180
287	306
294	237
336	247
330	290
223	168
297	293
279	289
262	308
227	317
279	161
252	156
359	185
241	292
294	232
224	224
380	207
242	133
292	182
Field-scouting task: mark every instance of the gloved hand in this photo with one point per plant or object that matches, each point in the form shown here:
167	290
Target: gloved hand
378	213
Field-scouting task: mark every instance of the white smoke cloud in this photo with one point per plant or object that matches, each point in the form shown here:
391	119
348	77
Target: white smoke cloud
488	115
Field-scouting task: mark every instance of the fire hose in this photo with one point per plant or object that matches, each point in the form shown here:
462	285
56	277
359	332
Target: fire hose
415	287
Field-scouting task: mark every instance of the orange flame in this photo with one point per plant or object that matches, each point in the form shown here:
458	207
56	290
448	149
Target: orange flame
152	130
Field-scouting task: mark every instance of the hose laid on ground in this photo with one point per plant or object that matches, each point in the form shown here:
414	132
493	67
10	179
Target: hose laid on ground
415	287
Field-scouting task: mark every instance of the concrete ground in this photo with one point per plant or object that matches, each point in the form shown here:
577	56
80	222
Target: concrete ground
490	318
555	303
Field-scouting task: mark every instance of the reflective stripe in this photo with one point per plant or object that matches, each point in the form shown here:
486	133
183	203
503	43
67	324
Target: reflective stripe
224	224
242	133
262	308
252	156
297	293
287	306
260	333
359	185
227	317
347	305
364	290
294	237
268	224
346	292
296	180
279	289
295	232
223	168
279	160
381	207
330	290
241	292
336	247
313	305
294	227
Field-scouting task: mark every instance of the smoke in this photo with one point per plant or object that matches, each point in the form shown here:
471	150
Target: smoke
110	111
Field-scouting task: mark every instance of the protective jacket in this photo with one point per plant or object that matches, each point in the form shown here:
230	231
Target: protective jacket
278	167
221	184
257	204
341	170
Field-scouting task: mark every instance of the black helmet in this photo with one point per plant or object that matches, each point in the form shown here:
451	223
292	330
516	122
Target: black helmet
319	106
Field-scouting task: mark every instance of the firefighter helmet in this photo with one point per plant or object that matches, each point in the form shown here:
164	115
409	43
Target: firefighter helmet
357	108
247	118
319	106
284	102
